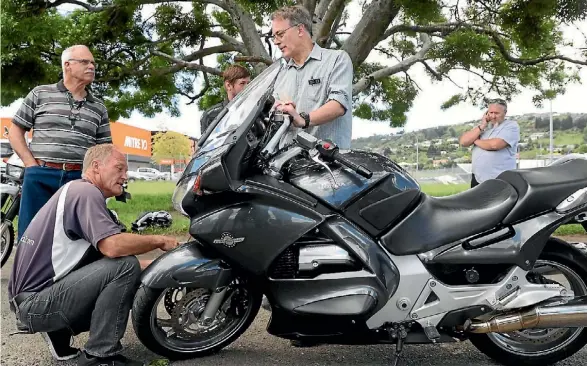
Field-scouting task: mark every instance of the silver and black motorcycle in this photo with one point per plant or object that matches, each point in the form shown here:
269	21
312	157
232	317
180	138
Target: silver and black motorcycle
348	250
10	194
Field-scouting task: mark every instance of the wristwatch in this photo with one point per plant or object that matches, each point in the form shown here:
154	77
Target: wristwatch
480	128
306	118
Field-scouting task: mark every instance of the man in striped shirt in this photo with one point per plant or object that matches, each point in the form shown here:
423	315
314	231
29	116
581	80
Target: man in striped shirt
66	120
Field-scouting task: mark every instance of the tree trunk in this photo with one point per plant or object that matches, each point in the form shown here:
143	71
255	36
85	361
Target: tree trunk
247	30
377	17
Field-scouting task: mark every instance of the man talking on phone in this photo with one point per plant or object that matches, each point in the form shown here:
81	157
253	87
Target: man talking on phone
495	142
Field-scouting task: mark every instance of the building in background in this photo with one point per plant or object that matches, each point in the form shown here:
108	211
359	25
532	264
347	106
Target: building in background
136	143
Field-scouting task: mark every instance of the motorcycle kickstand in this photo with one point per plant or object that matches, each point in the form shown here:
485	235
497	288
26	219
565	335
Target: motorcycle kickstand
400	333
399	347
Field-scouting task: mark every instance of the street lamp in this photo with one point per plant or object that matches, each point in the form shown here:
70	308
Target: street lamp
417	152
551	142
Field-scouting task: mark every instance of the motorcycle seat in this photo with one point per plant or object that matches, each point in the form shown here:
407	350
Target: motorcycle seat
437	221
543	189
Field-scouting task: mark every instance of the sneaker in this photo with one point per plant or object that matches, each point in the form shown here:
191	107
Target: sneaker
59	343
118	360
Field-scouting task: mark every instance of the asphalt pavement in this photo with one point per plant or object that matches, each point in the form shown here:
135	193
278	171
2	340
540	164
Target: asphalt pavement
254	348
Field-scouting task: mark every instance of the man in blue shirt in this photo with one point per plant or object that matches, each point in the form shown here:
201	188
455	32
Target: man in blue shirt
495	142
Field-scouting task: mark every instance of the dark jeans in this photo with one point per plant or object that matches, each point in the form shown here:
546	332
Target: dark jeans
39	185
473	181
97	297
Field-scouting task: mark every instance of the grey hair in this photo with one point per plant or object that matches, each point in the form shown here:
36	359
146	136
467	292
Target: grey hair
66	54
295	15
97	153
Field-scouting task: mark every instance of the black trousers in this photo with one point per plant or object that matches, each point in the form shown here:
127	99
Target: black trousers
473	181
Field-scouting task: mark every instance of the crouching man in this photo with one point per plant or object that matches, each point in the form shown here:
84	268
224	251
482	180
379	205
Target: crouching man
74	271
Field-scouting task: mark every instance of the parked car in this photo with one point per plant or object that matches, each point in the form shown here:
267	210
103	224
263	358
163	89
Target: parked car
146	174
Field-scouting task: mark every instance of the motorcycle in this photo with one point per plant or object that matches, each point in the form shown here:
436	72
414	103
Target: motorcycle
348	249
11	188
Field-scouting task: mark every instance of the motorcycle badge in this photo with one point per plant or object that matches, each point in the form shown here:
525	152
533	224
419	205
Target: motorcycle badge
228	240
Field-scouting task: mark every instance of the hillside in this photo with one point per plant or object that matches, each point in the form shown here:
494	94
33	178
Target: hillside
438	147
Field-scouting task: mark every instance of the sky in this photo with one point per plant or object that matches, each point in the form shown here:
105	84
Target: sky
425	111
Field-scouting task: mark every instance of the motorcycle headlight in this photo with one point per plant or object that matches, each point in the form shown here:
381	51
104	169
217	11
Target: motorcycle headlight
182	189
14	171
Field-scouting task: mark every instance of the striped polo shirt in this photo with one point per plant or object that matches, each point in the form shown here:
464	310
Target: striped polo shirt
56	138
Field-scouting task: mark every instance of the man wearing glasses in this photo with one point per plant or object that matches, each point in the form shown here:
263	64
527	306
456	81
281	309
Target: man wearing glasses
316	86
66	120
495	142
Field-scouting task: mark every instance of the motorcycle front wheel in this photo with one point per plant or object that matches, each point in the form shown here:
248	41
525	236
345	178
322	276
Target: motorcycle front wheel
168	321
540	347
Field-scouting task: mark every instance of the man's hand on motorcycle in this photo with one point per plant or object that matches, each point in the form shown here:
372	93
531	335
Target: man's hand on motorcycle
290	109
169	243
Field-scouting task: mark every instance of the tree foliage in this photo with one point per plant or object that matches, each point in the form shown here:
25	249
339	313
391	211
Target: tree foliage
170	145
151	52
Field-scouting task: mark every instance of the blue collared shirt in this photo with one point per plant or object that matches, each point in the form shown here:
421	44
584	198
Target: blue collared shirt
490	164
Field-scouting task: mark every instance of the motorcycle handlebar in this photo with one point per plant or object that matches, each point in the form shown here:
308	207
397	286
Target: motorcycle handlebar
361	170
329	151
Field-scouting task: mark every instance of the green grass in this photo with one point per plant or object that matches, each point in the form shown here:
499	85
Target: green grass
440	190
152	196
565	138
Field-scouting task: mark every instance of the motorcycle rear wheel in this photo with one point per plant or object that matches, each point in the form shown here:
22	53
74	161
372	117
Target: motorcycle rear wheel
175	343
542	347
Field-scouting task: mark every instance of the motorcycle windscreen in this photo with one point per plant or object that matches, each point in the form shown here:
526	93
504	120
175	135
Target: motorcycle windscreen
239	111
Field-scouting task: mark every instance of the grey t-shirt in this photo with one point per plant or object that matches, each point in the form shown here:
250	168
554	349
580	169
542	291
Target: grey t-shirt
489	164
61	238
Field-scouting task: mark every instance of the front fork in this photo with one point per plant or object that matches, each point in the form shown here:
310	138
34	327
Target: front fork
213	305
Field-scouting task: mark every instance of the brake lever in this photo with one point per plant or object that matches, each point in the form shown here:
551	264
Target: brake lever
315	155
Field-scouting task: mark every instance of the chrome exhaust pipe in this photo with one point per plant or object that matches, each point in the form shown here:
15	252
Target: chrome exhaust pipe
557	313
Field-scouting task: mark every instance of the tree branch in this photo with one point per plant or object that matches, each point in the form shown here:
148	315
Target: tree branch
375	20
247	29
438	76
321	8
210	51
88	7
252	59
451	27
310	5
239	46
409	78
365	82
335	8
180	64
530	62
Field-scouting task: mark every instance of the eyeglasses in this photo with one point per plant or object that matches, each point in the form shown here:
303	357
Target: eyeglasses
83	61
281	33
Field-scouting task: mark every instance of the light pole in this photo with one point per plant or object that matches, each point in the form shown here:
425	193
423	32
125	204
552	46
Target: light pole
551	128
417	152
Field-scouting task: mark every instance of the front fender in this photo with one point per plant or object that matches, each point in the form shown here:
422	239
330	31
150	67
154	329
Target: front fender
186	266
